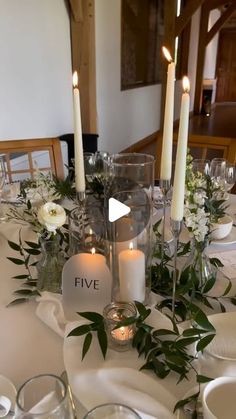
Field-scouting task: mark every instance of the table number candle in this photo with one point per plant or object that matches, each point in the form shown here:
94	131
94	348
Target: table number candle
167	141
177	205
132	274
86	283
78	143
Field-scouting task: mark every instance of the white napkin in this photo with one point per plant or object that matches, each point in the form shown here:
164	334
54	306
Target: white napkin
50	311
117	379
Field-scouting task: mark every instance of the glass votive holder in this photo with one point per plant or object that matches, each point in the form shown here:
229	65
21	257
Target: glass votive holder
112	410
119	339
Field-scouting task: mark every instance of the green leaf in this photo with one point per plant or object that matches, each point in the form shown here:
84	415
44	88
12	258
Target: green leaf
200	318
233	301
182	343
162	332
227	289
183	402
209	284
102	339
23	292
93	317
24	276
204	342
16	261
14	246
87	343
80	330
126	322
194	332
18	301
203	379
32	251
33	245
31	283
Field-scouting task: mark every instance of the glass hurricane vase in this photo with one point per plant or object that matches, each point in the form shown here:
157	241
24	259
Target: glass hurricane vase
50	265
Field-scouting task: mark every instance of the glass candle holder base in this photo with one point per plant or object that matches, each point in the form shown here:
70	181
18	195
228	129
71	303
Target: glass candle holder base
119	339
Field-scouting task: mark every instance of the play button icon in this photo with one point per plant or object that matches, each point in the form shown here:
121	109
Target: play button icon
117	210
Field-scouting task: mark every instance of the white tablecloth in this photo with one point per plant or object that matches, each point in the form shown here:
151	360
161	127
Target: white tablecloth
28	347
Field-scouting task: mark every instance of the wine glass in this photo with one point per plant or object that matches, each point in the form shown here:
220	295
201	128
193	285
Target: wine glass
2	182
230	177
217	173
201	166
43	396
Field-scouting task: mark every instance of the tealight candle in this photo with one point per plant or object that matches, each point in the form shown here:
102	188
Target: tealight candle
119	339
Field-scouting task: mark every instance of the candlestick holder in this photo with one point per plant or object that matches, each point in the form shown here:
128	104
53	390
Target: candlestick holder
176	227
119	339
165	186
80	198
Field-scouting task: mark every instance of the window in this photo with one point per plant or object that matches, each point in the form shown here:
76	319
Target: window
142	34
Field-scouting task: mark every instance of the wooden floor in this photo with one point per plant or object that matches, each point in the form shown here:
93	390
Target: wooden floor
220	123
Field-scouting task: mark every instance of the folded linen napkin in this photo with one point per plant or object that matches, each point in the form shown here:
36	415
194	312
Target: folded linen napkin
117	379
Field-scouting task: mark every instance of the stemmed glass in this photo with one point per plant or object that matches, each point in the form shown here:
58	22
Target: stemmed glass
230	177
2	182
201	166
217	173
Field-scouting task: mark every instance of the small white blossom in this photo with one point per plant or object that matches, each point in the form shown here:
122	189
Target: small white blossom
52	216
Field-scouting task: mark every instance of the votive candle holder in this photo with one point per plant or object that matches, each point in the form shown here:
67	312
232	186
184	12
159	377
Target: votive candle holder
119	339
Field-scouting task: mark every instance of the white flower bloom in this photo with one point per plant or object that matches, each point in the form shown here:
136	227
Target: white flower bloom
52	216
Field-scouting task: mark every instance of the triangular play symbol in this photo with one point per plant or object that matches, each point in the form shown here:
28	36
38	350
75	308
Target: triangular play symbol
116	210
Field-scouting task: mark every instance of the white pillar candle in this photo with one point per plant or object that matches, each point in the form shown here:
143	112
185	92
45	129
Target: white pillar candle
177	205
167	141
78	143
132	275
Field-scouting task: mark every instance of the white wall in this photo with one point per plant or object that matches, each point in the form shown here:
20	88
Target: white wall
35	71
211	50
192	61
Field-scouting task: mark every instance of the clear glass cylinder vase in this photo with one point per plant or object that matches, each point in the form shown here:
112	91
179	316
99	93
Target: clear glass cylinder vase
50	265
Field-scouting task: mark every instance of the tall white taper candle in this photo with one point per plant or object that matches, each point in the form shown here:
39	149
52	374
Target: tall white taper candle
78	143
167	141
177	205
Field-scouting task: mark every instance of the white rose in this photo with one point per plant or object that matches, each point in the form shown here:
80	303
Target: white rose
52	216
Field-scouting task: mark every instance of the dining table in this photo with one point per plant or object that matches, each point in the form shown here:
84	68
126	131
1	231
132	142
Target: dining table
29	346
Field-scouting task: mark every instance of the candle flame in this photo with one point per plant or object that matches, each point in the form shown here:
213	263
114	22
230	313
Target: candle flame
186	84
93	251
90	232
167	54
131	246
75	79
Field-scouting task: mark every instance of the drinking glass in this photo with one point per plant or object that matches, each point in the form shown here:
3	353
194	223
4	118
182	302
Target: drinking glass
112	410
217	170
2	182
230	176
201	166
43	396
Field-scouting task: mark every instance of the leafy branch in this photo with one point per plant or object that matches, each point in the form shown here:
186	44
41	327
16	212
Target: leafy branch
26	249
164	350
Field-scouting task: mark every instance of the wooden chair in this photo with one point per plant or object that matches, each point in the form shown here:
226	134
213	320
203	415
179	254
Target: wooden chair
202	147
24	157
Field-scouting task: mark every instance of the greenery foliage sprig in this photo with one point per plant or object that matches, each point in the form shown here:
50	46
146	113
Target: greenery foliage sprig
164	350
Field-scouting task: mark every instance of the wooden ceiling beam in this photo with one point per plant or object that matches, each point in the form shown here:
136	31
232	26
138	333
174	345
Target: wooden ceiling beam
213	4
201	56
220	22
183	19
83	60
